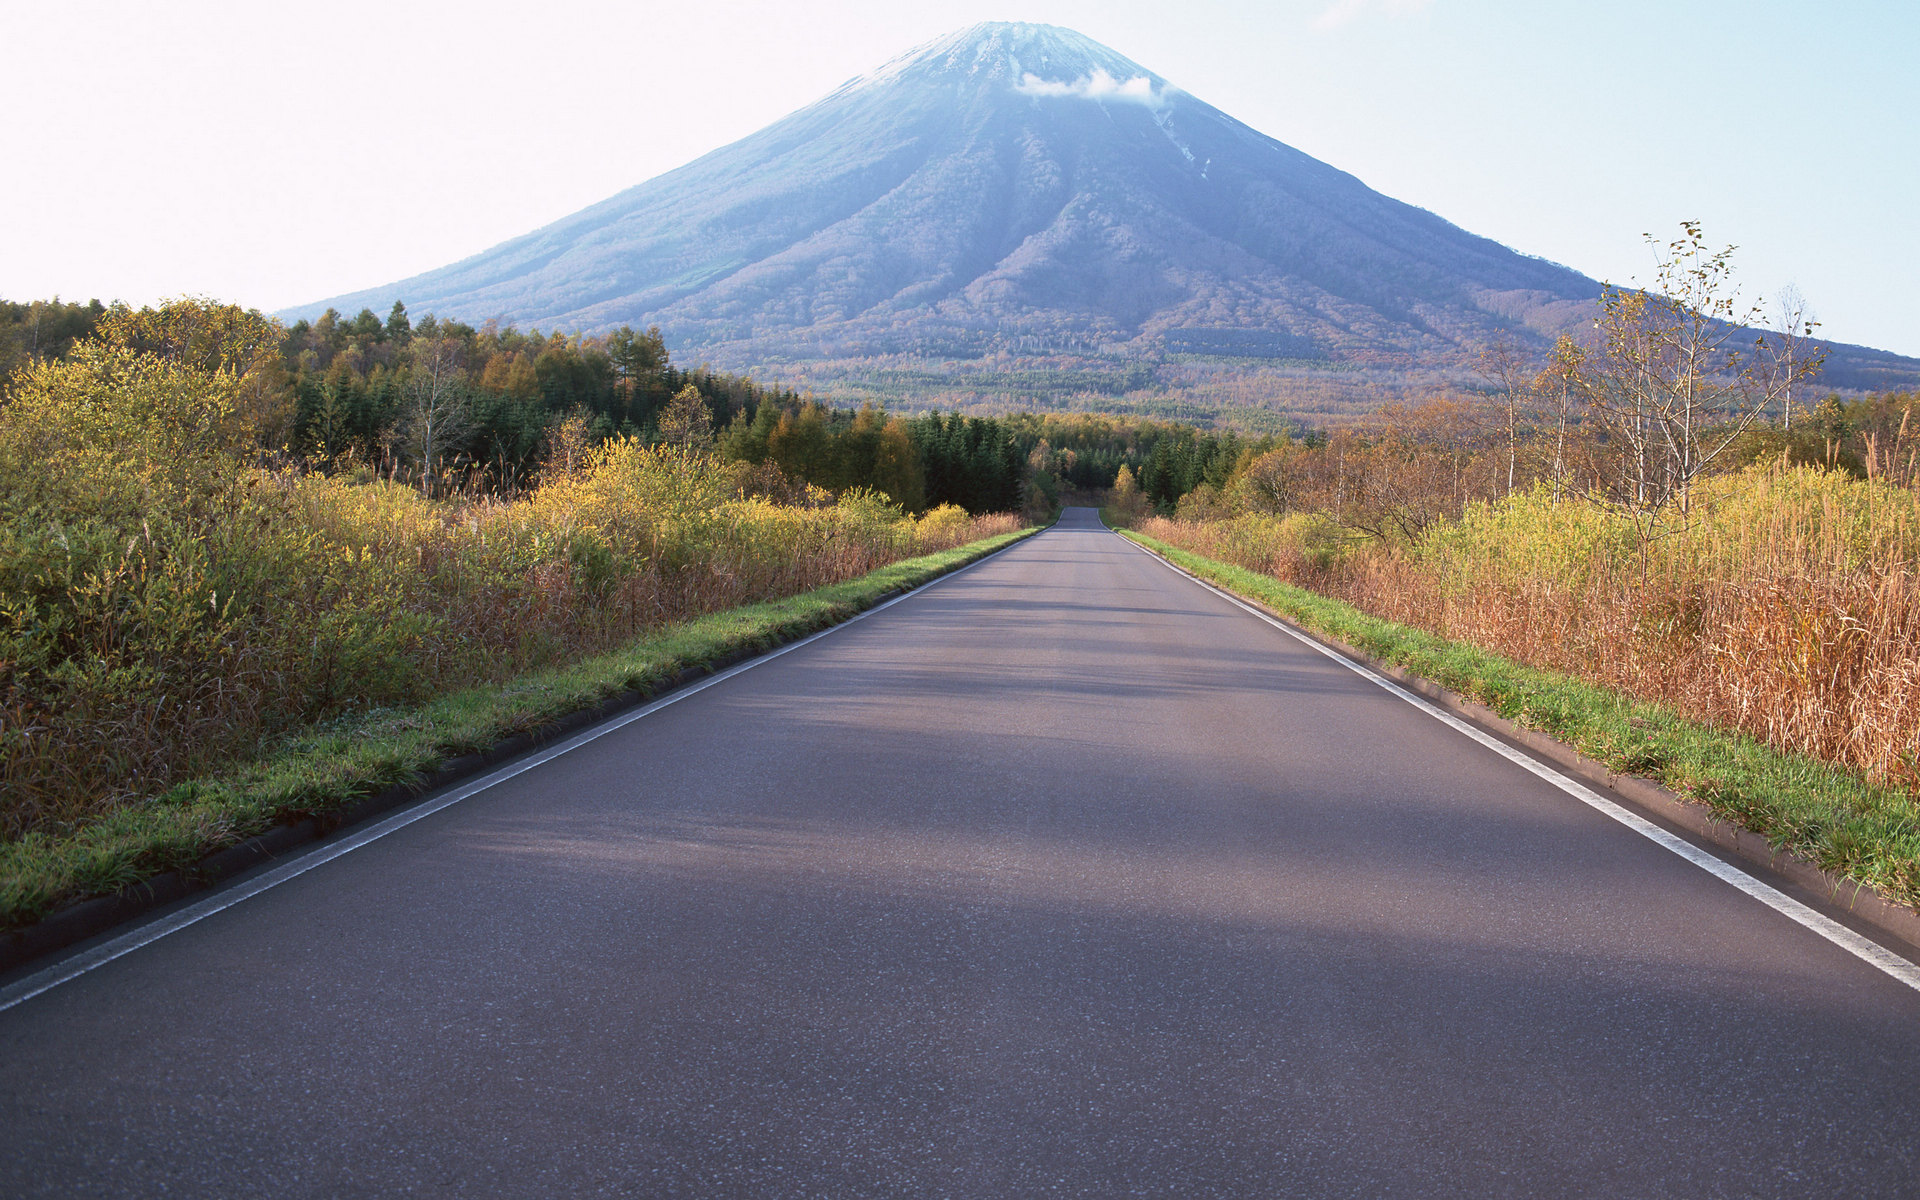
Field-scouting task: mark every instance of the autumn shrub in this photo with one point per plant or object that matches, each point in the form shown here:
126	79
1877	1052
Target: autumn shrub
1783	604
943	524
165	606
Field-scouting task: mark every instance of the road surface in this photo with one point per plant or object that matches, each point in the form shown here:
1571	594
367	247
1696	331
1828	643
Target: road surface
1064	876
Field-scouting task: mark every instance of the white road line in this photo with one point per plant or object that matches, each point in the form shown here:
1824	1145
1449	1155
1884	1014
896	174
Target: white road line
72	968
1865	949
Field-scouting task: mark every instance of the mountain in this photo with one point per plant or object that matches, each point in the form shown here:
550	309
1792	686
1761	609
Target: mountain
1016	211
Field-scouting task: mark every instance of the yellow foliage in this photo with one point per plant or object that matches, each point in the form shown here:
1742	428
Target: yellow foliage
946	521
165	606
211	338
110	430
1783	602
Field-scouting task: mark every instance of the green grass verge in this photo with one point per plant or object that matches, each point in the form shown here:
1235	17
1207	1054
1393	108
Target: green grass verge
331	768
1811	809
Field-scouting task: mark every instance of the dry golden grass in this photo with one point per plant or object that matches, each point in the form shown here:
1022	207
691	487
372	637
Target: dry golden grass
1785	606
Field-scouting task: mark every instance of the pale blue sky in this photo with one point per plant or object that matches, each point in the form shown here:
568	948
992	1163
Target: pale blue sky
273	154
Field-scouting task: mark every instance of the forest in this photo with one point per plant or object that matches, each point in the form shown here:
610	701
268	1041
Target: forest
452	408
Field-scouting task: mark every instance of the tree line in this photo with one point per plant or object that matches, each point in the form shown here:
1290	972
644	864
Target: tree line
1672	383
1676	381
448	405
451	406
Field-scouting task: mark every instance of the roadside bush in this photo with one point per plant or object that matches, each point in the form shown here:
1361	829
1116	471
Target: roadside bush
165	606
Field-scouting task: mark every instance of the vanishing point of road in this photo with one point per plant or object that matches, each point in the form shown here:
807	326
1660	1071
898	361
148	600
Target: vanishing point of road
1063	876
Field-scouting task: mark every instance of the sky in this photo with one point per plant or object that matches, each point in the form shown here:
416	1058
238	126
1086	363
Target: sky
274	154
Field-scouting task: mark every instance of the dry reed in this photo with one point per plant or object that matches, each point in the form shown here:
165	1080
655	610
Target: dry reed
1785	606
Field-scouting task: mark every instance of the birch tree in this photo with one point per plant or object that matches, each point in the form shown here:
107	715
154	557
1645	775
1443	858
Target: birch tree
437	414
1681	371
1511	379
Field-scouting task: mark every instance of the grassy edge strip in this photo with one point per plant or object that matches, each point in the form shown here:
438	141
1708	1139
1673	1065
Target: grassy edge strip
1833	819
347	770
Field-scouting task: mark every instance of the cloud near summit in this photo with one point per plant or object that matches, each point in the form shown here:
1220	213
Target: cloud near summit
1099	86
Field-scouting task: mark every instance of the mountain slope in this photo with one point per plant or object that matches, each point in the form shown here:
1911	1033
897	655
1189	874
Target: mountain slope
1012	190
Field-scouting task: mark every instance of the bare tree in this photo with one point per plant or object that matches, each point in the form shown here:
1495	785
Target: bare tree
1680	373
1511	377
436	417
1557	383
1793	325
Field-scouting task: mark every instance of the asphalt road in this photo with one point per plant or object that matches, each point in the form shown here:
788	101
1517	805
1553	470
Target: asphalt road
1064	877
